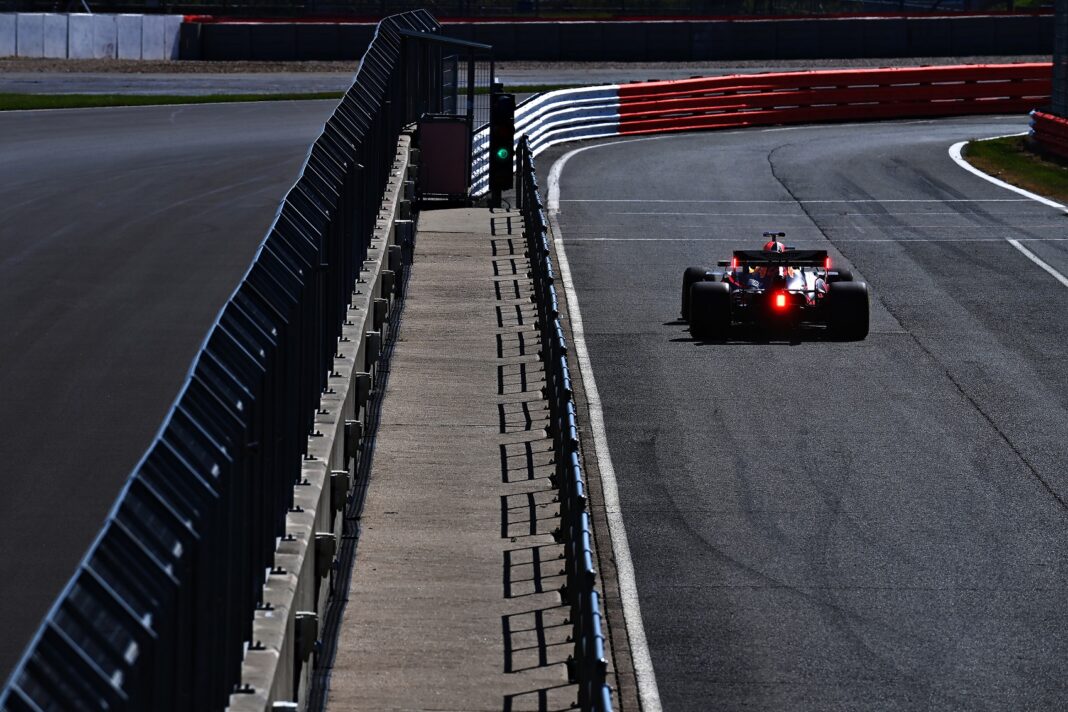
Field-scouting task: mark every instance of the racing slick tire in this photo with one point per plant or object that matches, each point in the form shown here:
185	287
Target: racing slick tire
840	275
710	310
849	305
689	277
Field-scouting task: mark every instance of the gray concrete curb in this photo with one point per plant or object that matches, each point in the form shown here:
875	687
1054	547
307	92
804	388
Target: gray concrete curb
276	674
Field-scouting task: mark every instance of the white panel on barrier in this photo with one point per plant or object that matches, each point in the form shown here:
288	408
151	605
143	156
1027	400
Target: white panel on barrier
171	29
7	35
105	37
80	36
29	34
552	118
152	44
55	36
128	30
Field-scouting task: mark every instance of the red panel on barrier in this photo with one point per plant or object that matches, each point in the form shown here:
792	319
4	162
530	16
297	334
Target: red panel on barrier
800	97
1051	132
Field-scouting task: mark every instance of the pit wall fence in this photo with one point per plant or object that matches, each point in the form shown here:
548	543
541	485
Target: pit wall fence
587	665
744	100
205	587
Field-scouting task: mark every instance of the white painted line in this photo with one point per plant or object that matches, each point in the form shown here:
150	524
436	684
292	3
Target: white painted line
648	693
792	202
1038	261
805	216
955	154
837	239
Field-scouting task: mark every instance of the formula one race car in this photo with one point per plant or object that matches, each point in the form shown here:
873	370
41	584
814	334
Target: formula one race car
776	289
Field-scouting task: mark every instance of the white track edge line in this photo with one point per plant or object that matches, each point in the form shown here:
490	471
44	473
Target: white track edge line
645	678
955	154
1040	262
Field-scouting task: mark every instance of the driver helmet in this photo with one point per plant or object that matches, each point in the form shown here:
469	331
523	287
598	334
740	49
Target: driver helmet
774	246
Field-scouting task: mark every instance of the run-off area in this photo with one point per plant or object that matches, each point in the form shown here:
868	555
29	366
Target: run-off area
817	525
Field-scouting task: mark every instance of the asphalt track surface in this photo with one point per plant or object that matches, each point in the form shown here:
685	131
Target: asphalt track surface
877	525
122	233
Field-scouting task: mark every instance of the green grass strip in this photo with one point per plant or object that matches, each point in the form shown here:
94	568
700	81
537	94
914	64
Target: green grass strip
1013	161
11	102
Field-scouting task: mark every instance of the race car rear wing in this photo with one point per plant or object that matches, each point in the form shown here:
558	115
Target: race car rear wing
790	258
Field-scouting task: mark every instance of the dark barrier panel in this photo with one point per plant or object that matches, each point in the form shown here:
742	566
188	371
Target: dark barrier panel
798	39
315	41
843	38
160	610
189	40
534	41
583	42
226	42
884	39
668	41
274	42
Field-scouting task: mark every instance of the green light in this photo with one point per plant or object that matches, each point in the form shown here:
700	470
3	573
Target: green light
503	153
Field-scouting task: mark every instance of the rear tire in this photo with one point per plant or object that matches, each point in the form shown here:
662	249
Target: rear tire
850	307
691	276
710	310
840	275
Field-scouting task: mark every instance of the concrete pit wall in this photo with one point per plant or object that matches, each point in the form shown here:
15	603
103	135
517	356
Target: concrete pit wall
277	670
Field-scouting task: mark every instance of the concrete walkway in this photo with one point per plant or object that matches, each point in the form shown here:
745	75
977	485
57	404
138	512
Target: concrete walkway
453	601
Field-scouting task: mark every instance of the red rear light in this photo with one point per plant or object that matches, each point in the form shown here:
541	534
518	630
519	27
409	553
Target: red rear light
827	263
734	263
780	300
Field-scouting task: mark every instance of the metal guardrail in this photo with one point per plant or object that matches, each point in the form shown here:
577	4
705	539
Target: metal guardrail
159	612
587	664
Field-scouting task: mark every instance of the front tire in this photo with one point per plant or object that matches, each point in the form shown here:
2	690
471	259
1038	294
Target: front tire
850	308
710	310
691	276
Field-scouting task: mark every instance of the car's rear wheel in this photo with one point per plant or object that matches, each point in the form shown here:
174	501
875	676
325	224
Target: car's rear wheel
691	276
710	310
849	305
839	275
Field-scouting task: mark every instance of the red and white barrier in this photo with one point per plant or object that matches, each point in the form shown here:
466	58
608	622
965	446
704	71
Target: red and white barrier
742	100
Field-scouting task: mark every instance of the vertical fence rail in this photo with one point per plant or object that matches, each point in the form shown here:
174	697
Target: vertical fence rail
587	665
160	611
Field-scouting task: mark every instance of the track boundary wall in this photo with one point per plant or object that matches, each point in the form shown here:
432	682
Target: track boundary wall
690	40
52	35
743	100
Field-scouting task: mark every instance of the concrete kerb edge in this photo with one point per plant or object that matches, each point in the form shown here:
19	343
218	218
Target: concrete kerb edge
625	689
270	671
